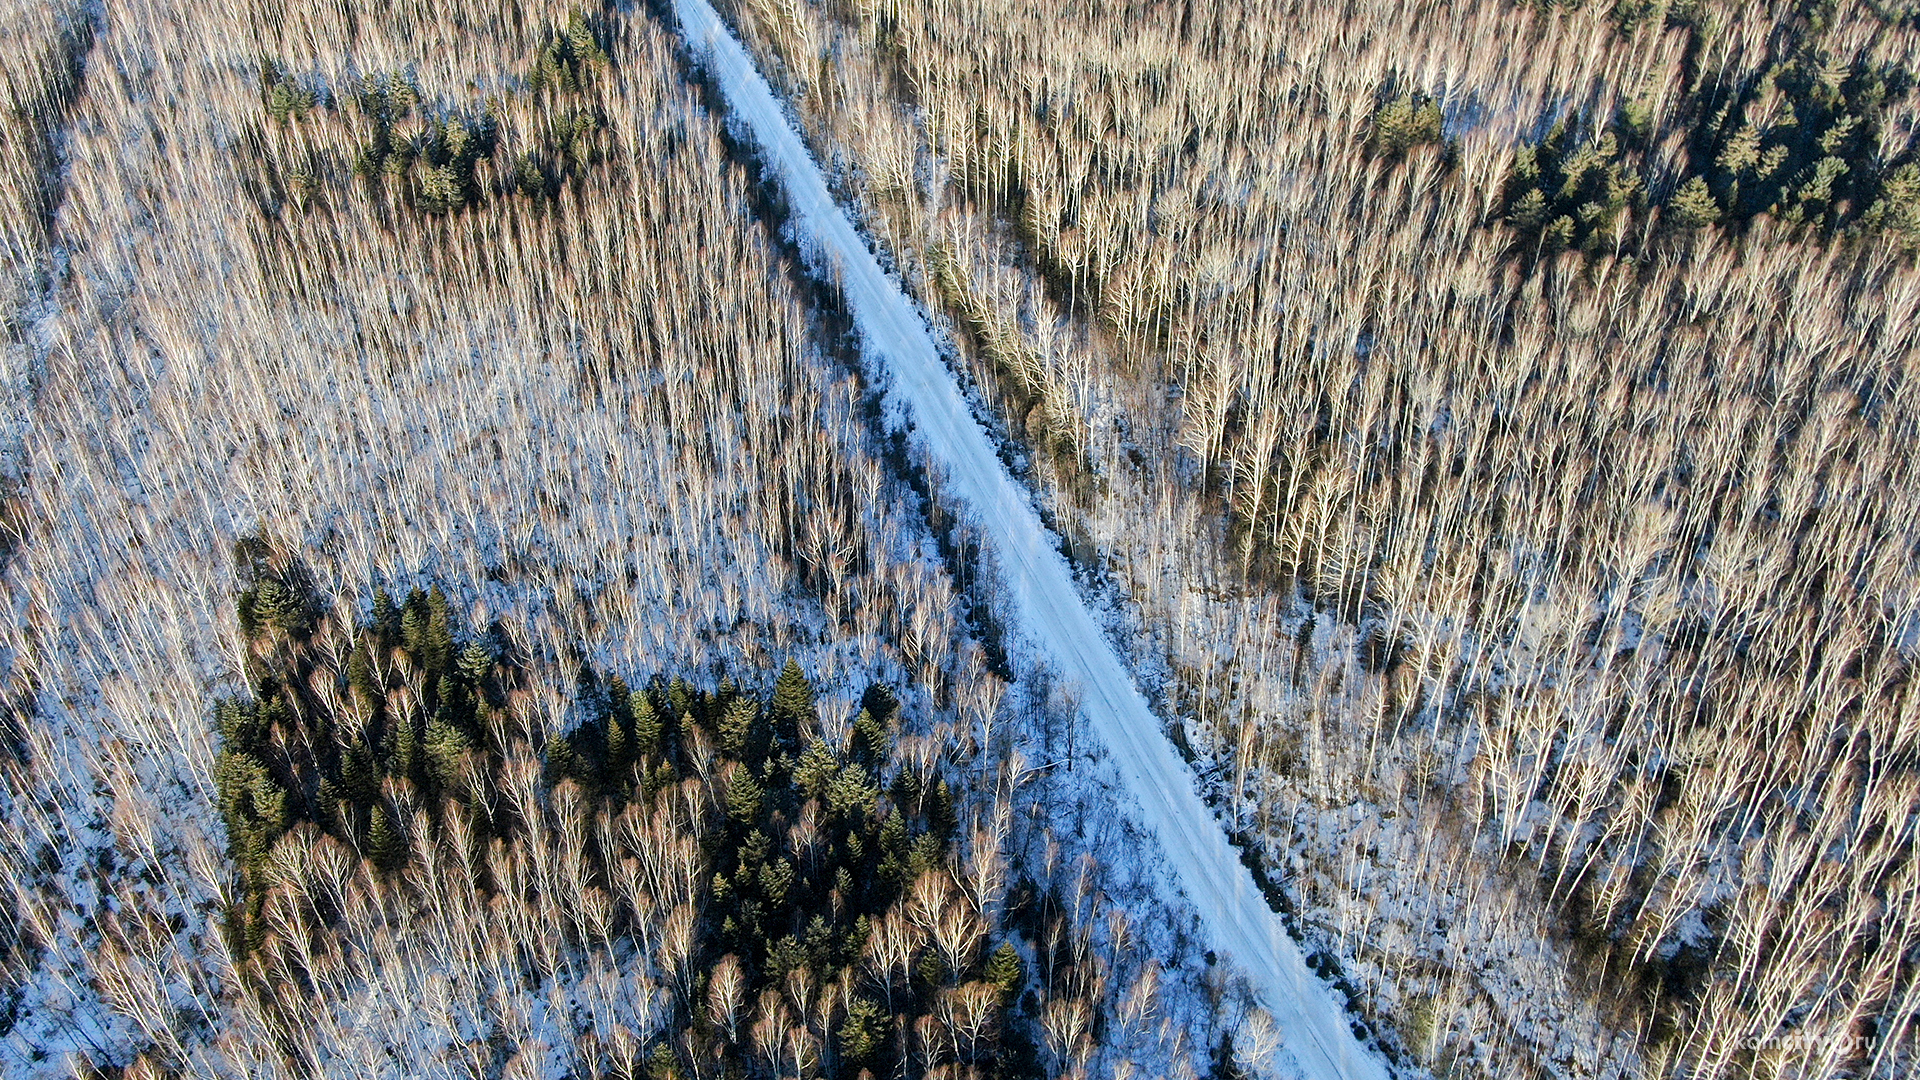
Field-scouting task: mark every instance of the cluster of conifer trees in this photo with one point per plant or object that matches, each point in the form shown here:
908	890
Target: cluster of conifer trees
1801	142
434	164
826	872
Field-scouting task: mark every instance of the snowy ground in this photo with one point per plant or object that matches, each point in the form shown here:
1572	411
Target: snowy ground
921	394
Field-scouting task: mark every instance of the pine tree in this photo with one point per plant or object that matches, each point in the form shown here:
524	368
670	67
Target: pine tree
1403	123
241	728
413	625
1006	972
403	748
582	42
872	747
452	702
647	728
282	605
439	639
475	663
1693	206
659	780
862	1032
359	777
880	702
565	760
1529	211
442	189
850	793
941	816
446	747
662	1064
619	757
360	677
386	844
253	805
793	701
816	769
744	798
742	732
776	878
383	612
1897	210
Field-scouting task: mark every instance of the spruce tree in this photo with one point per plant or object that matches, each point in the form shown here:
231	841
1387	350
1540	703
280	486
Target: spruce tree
941	816
850	794
403	748
744	797
662	1064
360	678
446	747
871	745
1693	206
647	728
452	702
240	725
776	878
1006	972
439	641
792	701
386	844
282	605
383	612
475	663
413	625
359	777
619	755
862	1032
816	769
742	734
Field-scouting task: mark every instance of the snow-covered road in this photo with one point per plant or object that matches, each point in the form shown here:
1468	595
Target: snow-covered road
902	358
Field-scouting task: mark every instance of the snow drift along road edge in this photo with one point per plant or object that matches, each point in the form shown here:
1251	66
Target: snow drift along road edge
901	356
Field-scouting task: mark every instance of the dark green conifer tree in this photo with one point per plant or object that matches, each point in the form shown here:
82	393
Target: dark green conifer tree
816	768
742	732
942	818
446	747
619	755
744	798
360	678
871	745
359	777
386	843
792	702
413	626
647	728
862	1033
439	637
403	748
475	663
1006	972
384	615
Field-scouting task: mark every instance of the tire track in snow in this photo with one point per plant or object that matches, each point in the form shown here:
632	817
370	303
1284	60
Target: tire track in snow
902	358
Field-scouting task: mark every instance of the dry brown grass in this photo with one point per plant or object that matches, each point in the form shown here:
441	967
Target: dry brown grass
1634	538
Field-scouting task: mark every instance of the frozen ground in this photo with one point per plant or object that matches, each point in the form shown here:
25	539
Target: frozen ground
921	394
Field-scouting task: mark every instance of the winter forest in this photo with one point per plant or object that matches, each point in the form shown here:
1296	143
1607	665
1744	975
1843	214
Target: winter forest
970	539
